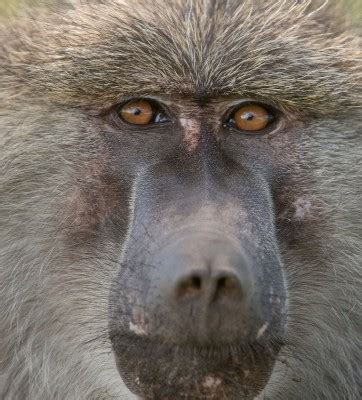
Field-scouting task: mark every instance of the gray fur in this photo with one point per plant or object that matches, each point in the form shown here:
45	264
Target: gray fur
58	71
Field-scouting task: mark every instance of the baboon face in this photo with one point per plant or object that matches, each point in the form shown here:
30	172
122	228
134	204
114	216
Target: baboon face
172	218
199	303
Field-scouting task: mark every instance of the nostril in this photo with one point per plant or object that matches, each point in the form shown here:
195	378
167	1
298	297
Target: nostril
228	286
190	286
223	286
196	282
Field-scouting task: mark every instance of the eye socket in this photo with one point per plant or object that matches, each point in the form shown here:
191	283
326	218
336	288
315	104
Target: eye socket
141	112
252	117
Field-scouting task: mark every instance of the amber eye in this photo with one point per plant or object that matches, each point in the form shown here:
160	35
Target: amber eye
252	118
137	112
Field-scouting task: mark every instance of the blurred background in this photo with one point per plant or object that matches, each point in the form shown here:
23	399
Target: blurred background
6	6
10	6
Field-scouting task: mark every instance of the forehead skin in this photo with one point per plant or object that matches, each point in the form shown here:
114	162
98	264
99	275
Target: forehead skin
279	51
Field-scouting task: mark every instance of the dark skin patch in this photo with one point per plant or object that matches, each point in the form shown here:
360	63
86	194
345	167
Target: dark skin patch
194	161
95	200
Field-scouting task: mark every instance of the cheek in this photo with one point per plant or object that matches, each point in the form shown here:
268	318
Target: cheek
296	203
299	215
297	207
303	209
94	204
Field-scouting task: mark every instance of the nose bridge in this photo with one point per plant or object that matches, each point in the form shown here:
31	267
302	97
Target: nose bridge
190	182
169	202
199	126
201	155
215	224
210	154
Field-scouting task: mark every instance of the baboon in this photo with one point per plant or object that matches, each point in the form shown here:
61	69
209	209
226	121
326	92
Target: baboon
180	201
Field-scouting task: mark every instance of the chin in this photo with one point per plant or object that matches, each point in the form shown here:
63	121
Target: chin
153	369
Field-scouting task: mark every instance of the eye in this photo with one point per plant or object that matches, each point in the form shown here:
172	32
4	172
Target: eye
252	117
141	112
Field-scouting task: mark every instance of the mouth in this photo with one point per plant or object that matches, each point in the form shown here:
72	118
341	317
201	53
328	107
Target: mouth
154	369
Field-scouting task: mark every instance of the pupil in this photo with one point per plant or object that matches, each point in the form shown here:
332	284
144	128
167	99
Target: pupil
137	111
249	116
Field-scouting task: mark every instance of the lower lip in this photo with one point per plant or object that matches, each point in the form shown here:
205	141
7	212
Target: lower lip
155	370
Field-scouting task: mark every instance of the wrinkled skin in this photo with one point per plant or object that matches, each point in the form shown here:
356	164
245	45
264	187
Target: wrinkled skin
184	259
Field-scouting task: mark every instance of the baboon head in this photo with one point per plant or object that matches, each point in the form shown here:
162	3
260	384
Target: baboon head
174	171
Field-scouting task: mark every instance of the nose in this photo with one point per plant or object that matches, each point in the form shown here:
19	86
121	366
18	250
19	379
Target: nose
209	285
204	288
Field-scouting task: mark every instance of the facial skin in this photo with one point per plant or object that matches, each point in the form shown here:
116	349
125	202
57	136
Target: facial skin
179	216
201	273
